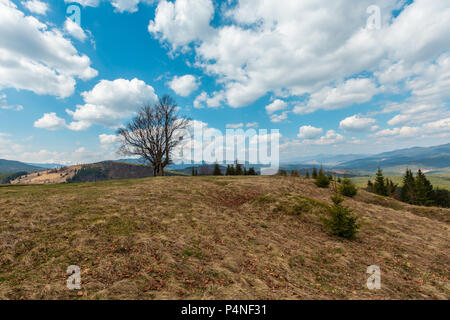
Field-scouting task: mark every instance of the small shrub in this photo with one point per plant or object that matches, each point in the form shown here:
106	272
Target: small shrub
322	181
347	188
294	173
282	173
341	221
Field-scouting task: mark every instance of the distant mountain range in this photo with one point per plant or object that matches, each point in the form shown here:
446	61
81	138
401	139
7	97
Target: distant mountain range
9	166
428	158
46	165
436	157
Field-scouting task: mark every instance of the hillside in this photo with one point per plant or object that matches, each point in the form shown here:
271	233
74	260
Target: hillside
436	157
214	238
9	166
101	171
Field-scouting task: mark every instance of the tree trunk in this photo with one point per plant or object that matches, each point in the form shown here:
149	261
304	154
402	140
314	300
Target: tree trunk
158	170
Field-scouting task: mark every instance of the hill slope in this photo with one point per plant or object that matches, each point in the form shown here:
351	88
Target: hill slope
9	166
430	157
214	238
106	170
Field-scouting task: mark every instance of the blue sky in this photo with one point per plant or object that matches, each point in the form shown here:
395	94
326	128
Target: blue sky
332	77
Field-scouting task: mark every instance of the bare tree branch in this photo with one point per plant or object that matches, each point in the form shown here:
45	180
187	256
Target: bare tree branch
151	134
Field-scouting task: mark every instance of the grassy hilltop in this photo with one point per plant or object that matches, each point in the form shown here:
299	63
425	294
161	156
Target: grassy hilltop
214	238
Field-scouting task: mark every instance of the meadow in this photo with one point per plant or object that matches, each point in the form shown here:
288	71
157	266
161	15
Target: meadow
214	238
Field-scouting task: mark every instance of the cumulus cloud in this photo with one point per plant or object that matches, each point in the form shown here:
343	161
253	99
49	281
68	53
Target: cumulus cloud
182	21
119	5
185	85
352	91
38	58
331	137
277	105
36	6
74	30
213	101
108	139
279	117
258	50
357	123
109	102
309	132
428	129
50	121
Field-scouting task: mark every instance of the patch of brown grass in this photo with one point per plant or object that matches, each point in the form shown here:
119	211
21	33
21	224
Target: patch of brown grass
213	238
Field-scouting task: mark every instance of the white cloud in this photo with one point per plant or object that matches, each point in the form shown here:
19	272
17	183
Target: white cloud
108	139
182	21
252	125
257	50
50	121
212	102
438	126
74	30
109	102
356	123
37	58
185	85
433	129
119	5
36	6
234	125
331	137
352	91
279	117
5	106
277	105
309	132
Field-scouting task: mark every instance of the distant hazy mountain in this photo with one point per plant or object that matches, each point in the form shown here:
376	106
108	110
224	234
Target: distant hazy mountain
9	166
46	165
326	160
425	157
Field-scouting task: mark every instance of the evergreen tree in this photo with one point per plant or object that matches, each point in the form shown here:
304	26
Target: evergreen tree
251	172
423	190
245	171
238	170
322	181
307	174
217	171
379	186
340	220
407	193
441	198
294	173
314	173
347	188
369	186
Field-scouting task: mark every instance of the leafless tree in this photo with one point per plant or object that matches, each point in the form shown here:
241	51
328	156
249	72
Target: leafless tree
153	133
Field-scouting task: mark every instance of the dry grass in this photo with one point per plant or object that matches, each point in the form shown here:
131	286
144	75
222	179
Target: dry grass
213	238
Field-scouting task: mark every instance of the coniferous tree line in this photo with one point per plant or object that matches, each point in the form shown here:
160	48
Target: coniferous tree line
416	190
238	169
